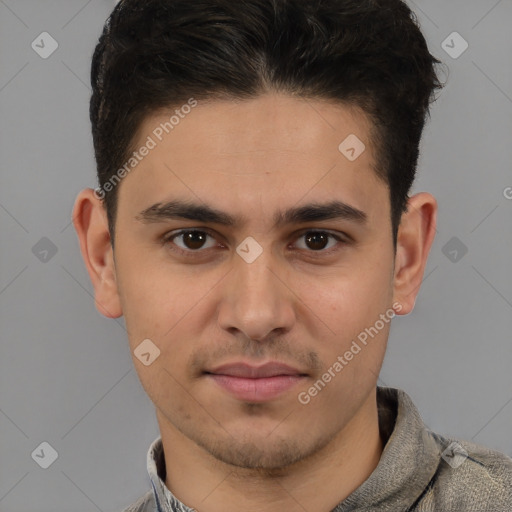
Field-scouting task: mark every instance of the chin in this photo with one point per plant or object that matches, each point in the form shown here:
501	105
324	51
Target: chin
264	454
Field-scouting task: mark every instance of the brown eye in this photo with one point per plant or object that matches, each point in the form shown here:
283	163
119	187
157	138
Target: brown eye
192	240
317	241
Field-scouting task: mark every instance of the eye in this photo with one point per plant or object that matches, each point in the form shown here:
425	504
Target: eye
317	240
193	240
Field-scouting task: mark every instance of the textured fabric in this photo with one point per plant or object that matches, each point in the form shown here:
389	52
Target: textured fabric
419	471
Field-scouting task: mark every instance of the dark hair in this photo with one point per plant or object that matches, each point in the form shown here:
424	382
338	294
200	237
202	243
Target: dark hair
370	54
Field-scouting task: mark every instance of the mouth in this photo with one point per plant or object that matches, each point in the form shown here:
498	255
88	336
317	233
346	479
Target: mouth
256	383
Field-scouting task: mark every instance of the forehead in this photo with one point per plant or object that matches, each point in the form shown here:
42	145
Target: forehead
271	122
244	155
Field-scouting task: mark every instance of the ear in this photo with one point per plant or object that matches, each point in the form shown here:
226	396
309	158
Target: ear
414	240
91	225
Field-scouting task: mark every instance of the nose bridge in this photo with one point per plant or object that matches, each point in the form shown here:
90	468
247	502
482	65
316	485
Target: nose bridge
253	277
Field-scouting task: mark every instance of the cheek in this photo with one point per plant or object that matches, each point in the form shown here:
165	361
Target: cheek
352	297
166	305
346	307
149	299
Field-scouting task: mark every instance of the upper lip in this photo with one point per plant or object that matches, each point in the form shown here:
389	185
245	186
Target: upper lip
271	369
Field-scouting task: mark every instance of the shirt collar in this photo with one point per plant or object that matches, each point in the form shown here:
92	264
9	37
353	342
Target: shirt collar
407	464
164	499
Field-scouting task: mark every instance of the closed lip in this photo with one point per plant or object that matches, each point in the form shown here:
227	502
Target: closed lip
247	371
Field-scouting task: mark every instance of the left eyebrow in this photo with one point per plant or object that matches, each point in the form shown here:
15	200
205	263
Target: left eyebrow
177	209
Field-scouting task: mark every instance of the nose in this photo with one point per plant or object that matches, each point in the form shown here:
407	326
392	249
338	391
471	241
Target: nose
257	299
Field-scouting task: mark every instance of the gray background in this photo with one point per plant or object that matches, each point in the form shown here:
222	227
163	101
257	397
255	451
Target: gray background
66	375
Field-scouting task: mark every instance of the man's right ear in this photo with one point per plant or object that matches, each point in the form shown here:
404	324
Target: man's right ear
91	225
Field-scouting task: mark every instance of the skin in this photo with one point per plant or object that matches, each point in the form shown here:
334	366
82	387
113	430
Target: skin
294	304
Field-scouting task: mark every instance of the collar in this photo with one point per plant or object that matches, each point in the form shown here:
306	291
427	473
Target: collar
408	462
164	499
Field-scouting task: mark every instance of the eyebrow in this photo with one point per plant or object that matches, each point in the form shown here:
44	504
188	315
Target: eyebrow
177	209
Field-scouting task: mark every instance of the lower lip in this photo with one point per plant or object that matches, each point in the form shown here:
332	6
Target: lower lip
256	390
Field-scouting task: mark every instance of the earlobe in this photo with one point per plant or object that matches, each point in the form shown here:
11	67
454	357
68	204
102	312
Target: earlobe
90	221
415	237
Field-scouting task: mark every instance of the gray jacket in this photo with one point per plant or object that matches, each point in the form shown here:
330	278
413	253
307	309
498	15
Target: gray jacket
418	471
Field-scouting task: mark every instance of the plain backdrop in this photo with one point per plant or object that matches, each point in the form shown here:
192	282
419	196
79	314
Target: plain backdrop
66	375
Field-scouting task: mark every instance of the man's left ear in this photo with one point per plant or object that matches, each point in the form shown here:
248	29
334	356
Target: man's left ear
414	240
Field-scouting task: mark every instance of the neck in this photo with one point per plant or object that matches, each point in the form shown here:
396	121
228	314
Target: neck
206	484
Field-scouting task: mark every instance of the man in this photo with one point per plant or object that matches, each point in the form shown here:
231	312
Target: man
253	225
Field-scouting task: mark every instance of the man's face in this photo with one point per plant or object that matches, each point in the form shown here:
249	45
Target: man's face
218	314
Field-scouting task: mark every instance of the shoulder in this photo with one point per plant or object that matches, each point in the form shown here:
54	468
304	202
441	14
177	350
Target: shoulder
144	504
470	477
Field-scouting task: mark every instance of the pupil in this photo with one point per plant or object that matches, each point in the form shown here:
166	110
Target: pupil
194	243
316	236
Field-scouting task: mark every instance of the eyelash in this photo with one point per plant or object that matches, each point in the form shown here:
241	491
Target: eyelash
169	237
